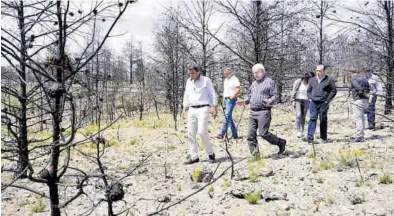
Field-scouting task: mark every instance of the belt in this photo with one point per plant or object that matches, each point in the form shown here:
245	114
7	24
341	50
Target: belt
259	109
199	106
227	98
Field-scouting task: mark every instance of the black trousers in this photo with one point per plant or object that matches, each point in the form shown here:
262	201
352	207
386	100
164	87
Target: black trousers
260	120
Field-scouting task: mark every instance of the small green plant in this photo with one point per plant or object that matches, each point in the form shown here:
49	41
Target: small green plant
330	199
38	204
112	143
359	183
171	147
133	142
391	147
310	155
385	179
196	174
252	175
226	183
254	167
211	188
326	164
373	165
252	197
315	170
320	180
346	158
276	180
358	153
179	187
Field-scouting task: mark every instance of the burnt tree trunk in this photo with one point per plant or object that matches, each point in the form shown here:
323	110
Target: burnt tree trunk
389	59
23	154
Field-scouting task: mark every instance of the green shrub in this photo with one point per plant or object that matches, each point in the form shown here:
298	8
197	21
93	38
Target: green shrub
373	165
346	158
326	164
254	167
385	179
133	142
211	188
196	174
38	204
252	197
226	183
171	147
112	143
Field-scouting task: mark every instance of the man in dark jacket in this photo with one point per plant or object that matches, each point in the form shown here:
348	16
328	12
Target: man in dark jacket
321	92
360	89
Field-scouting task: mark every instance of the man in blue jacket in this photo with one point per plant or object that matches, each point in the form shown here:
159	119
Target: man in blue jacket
321	92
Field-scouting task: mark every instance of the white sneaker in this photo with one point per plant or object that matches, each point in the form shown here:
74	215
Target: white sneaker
299	135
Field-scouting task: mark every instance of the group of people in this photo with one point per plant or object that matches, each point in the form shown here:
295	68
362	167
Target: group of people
311	92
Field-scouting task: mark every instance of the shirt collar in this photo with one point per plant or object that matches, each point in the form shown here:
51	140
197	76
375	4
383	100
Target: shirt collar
198	78
262	79
321	79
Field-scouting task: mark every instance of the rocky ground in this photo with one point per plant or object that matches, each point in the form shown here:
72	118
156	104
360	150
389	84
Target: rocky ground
296	183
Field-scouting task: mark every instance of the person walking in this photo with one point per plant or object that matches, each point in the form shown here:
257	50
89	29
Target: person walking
321	91
300	96
231	90
359	87
262	96
199	96
375	90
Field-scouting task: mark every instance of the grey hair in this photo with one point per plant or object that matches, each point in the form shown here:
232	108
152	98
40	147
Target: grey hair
228	70
258	67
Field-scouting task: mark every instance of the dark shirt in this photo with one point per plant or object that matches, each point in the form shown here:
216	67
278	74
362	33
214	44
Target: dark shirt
359	87
324	91
262	94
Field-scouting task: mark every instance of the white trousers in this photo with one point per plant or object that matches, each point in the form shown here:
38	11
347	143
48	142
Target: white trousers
197	122
359	109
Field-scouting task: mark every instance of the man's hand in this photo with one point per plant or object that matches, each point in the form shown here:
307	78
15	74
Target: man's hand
241	102
184	112
214	112
370	101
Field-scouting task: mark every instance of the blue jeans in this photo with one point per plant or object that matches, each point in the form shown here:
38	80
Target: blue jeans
229	106
318	109
371	113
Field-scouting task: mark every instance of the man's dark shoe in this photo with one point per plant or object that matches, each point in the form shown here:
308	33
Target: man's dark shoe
191	161
219	136
370	128
235	137
211	158
282	146
358	139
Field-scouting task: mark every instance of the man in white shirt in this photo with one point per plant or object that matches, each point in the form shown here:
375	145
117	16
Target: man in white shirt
231	89
198	98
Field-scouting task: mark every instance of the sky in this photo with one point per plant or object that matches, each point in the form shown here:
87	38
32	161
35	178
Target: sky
141	18
139	22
